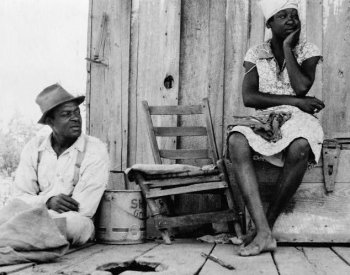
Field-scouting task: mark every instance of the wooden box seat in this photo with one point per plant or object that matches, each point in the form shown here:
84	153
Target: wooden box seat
319	212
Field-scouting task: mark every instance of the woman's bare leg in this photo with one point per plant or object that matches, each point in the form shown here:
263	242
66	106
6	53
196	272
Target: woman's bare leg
290	178
241	157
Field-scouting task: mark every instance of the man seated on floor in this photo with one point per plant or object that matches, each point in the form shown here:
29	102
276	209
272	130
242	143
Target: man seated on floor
66	170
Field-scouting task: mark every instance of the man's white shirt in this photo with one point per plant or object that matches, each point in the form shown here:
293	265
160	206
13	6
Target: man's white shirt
35	184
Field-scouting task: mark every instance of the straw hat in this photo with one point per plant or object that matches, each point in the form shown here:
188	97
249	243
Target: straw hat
53	96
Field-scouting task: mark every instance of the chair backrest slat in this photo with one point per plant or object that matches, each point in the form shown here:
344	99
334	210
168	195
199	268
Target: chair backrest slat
185	154
176	110
180	131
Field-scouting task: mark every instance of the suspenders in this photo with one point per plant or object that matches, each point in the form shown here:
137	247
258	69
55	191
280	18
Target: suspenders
79	160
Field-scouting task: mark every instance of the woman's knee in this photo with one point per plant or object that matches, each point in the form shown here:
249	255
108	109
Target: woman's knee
238	146
299	150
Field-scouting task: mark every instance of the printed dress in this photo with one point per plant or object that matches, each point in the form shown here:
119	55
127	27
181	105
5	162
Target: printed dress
274	81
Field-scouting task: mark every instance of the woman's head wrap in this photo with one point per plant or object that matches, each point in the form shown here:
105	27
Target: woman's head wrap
271	7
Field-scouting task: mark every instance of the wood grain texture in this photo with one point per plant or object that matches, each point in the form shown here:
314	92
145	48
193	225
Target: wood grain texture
88	66
262	264
267	174
157	51
237	23
108	108
293	260
195	219
151	136
342	252
103	254
65	261
216	68
180	131
16	268
314	34
185	154
257	24
179	110
187	189
336	68
194	61
180	258
201	75
183	181
202	61
313	216
330	262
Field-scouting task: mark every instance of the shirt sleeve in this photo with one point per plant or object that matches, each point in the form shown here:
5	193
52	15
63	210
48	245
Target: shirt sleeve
251	55
310	50
92	181
26	186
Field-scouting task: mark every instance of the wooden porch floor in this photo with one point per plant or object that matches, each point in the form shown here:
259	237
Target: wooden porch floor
184	257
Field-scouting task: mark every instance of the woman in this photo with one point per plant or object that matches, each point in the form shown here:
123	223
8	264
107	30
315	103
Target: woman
279	74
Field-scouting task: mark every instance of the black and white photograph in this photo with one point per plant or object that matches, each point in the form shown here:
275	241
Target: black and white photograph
202	137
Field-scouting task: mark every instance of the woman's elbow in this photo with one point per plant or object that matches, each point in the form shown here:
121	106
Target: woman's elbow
248	101
302	89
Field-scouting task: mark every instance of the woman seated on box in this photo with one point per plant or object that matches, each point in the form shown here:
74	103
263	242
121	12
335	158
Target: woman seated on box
279	75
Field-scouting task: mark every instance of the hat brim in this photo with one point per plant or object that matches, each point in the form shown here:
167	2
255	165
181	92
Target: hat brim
78	99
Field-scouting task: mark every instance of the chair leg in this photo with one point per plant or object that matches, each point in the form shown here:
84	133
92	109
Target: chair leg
144	189
236	195
165	236
231	205
155	211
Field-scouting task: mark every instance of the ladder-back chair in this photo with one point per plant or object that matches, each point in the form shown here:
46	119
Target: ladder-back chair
214	180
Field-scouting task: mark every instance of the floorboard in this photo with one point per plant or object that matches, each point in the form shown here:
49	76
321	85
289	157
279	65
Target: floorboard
292	260
83	262
262	264
182	257
23	268
326	261
14	268
343	253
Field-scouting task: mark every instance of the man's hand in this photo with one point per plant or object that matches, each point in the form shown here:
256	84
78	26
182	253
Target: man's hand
310	104
62	203
292	39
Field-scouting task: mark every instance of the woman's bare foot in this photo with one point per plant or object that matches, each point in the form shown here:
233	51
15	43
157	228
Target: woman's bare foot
245	239
262	242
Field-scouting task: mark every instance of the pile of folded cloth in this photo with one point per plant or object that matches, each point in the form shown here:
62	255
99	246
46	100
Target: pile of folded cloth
29	234
267	125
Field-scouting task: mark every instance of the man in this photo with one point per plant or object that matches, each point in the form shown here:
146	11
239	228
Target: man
66	170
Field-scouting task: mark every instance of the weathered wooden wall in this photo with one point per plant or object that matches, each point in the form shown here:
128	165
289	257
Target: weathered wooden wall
201	44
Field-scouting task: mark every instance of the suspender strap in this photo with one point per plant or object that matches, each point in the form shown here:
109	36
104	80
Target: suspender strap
41	140
80	158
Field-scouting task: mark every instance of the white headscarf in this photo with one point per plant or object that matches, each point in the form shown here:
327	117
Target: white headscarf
271	7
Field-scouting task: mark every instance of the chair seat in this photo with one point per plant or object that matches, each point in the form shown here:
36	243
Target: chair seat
164	171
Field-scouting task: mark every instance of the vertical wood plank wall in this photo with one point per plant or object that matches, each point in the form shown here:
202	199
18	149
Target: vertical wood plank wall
201	44
108	83
156	27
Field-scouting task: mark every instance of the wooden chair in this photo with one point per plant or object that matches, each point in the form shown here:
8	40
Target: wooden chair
204	181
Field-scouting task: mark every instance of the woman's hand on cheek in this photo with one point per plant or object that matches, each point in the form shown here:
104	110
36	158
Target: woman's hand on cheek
292	39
